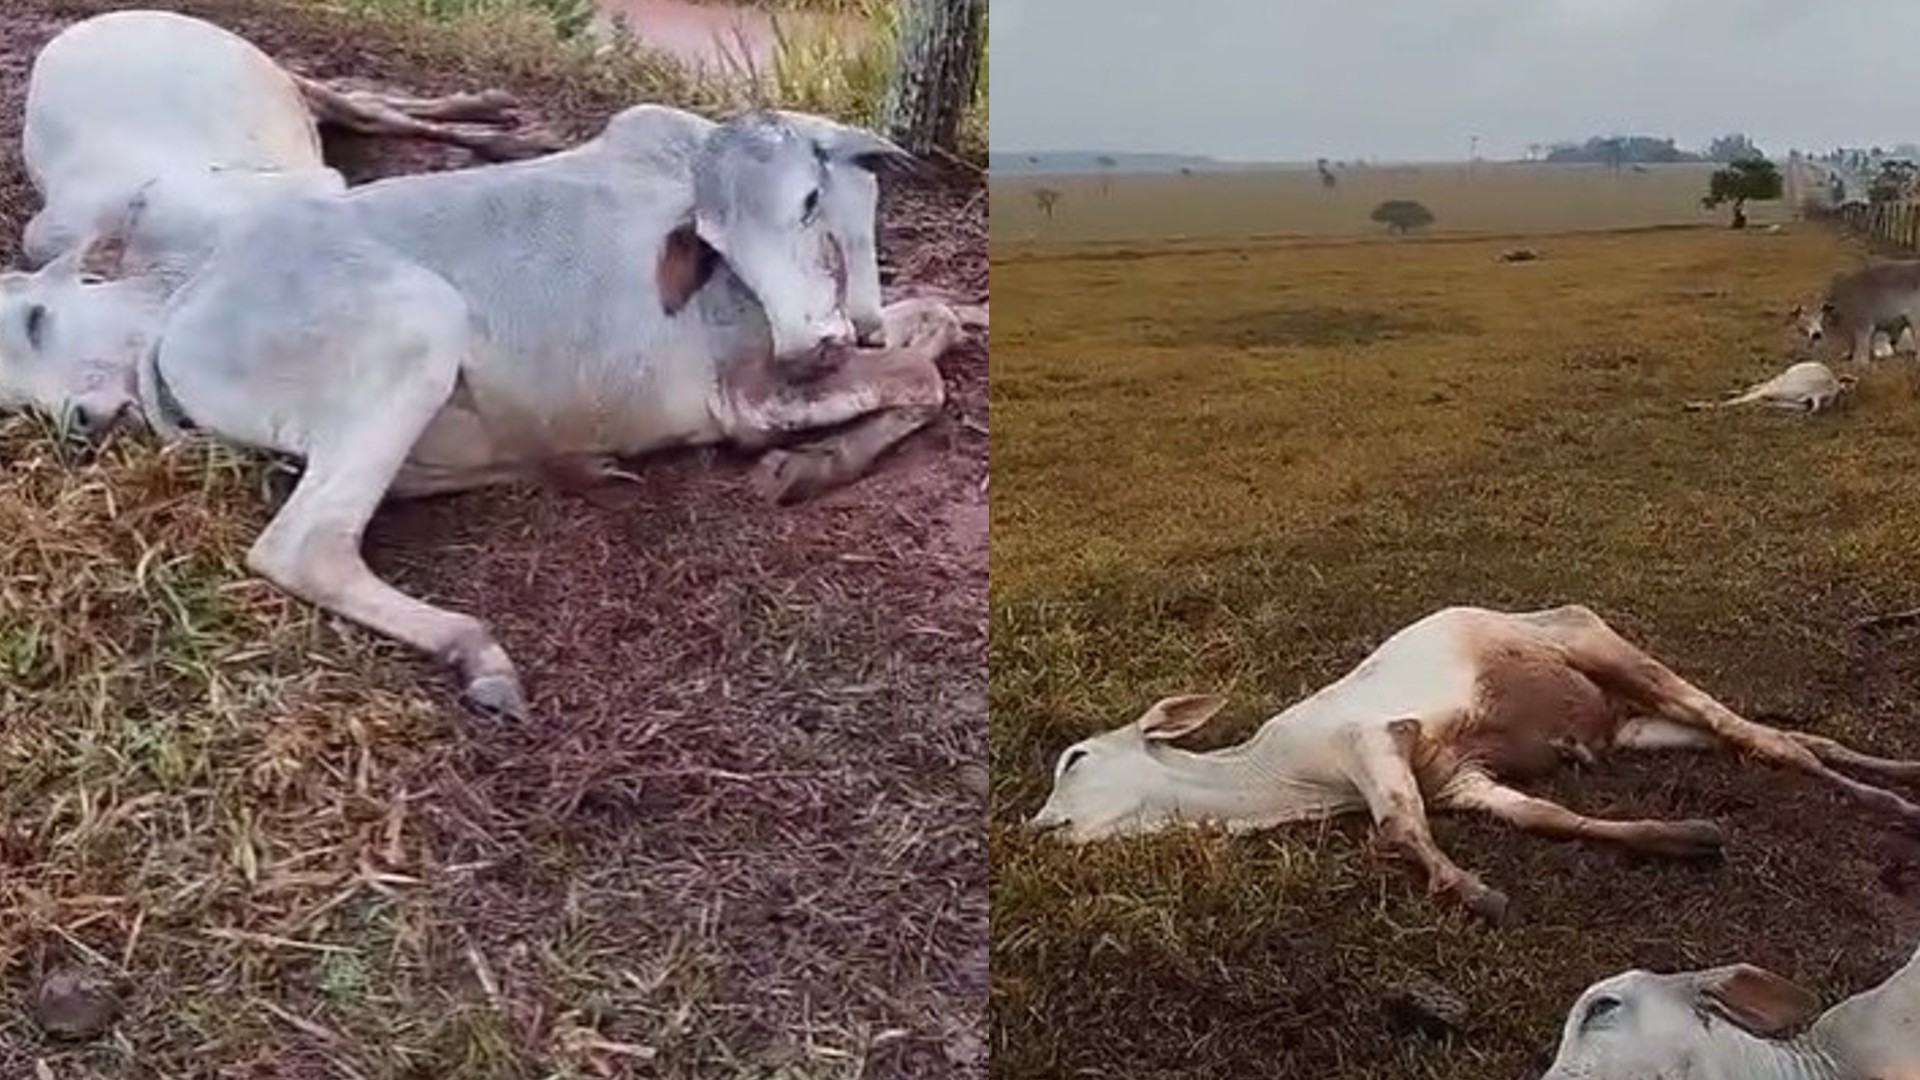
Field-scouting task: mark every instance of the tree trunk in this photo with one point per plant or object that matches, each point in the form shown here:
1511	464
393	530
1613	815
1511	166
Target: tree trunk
936	74
1740	213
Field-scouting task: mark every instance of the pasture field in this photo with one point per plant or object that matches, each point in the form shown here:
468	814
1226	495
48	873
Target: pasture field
1488	198
1237	468
739	835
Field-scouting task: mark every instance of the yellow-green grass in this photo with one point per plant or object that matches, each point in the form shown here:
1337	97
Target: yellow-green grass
1237	468
1487	198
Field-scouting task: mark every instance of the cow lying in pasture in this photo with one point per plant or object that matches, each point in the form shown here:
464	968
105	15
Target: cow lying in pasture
1809	386
1736	1022
206	124
1447	711
671	282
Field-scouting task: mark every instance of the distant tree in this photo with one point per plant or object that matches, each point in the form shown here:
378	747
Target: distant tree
1752	179
1045	198
1107	165
1327	179
1186	170
1732	148
1617	151
1402	215
1892	182
1534	151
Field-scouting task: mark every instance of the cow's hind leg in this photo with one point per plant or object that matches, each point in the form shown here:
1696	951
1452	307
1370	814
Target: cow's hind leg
1647	733
1622	669
1675	839
883	395
426	118
1381	766
1834	753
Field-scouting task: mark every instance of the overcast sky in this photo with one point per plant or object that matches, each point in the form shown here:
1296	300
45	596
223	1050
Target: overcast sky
1414	79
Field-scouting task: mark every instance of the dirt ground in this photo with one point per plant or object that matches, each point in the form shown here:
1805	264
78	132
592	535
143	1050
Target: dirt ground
1237	469
739	835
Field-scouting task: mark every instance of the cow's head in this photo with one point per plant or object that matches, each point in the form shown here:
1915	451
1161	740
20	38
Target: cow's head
1644	1026
854	156
1118	782
1811	324
71	334
762	193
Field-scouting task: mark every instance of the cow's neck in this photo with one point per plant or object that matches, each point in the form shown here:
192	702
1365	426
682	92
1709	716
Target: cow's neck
1871	1026
1739	1056
1281	773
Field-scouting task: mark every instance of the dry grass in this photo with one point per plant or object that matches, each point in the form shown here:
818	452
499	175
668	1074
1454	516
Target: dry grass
739	835
832	57
1515	198
1237	468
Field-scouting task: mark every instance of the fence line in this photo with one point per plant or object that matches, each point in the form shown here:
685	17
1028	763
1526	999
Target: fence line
1892	224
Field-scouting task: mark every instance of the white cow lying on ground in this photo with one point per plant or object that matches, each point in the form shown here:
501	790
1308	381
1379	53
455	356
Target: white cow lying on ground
1443	711
205	123
1739	1023
1809	386
198	131
672	282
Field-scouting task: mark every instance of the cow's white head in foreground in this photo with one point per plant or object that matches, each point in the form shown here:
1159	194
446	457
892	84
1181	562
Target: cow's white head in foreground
1127	780
69	335
1698	1025
1738	1022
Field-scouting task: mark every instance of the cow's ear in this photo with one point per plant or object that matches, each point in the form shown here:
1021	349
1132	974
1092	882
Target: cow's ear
686	264
1754	998
844	143
1170	718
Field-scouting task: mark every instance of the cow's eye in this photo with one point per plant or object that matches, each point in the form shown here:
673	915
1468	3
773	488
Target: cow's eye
36	324
1599	1010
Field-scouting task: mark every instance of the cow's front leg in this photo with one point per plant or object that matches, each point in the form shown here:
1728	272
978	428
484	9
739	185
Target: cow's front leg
883	395
1863	347
408	367
1381	764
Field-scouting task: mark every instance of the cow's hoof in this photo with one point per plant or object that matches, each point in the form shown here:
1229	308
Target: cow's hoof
1693	840
1488	904
498	695
1907	822
784	477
